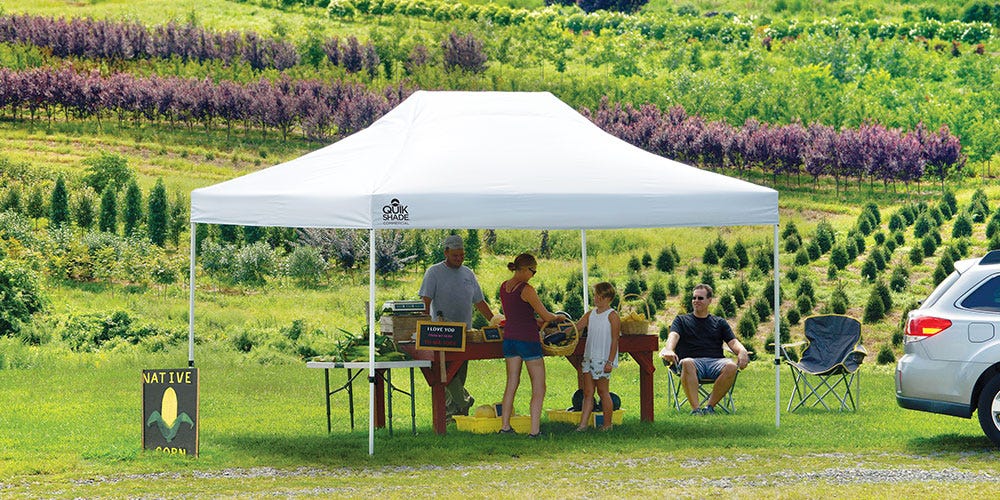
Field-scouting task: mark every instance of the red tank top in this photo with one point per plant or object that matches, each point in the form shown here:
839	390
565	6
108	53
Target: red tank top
520	316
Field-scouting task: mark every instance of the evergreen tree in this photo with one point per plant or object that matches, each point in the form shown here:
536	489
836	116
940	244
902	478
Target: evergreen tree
156	218
472	247
665	261
634	265
132	216
12	200
253	234
59	204
36	208
83	209
108	220
178	219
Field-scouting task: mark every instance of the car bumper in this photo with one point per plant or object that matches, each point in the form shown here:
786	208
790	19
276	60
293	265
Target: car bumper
932	386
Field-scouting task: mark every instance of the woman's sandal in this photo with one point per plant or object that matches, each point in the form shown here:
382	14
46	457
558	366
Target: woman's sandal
507	431
535	436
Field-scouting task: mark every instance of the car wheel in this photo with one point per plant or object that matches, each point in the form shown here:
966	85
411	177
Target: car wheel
989	410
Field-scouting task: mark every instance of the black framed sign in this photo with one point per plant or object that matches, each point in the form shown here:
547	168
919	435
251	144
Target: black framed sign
440	336
492	334
170	411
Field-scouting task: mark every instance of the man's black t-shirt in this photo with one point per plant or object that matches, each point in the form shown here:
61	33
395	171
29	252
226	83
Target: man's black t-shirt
701	337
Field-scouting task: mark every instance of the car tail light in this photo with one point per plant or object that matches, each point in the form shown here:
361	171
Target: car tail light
922	327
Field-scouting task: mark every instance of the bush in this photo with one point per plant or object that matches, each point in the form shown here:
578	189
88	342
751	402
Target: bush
929	245
709	257
792	243
792	274
625	6
730	260
896	222
665	261
747	325
464	52
801	257
922	226
306	265
900	278
825	236
838	257
727	305
762	309
874	308
107	169
813	249
20	297
885	355
869	270
962	227
634	265
882	291
793	317
739	296
804	304
916	254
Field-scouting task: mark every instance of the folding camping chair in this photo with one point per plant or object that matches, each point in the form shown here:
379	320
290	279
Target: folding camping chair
674	389
829	362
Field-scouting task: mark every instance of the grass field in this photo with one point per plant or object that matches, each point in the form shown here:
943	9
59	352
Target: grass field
72	428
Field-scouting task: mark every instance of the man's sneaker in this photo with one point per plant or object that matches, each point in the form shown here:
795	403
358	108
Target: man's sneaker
697	412
708	410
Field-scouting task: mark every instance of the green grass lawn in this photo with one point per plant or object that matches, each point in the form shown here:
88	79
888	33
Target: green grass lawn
72	428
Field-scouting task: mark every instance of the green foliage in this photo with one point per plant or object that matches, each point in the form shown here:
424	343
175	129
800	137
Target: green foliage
874	308
804	304
108	220
107	169
825	236
647	260
885	355
634	265
306	265
839	257
573	305
157	217
730	260
710	257
801	257
84	211
727	306
90	332
916	254
473	246
900	278
746	327
132	214
929	244
21	296
59	204
665	262
882	291
36	207
12	200
839	301
962	227
793	317
922	226
869	270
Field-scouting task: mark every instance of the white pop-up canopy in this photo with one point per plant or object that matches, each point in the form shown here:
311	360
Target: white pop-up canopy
498	160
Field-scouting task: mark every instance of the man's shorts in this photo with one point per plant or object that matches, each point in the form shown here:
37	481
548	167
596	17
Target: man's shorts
527	351
710	368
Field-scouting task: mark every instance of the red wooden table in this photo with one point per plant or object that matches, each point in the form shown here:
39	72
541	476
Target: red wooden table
444	365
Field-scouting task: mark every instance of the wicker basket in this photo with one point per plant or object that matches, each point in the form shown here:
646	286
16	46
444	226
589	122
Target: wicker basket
475	336
564	347
629	310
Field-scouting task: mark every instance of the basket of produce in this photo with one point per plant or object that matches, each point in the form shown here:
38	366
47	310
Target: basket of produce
635	321
559	338
474	335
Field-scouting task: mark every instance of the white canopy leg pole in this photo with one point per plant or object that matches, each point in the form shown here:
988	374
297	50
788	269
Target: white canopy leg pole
191	299
777	335
583	259
371	341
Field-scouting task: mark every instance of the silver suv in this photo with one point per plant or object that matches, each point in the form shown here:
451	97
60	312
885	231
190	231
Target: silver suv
951	361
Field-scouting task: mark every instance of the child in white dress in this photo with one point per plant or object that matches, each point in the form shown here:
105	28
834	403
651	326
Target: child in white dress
600	355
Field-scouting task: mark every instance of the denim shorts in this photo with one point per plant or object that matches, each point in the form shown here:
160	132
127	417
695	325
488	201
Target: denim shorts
710	368
527	351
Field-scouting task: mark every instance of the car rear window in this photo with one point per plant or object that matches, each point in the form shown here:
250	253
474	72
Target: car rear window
986	297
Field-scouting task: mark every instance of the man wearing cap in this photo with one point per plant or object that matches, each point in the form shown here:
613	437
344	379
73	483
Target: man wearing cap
449	291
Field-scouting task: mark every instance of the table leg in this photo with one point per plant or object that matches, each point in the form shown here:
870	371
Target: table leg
646	369
326	378
350	396
413	405
388	380
379	400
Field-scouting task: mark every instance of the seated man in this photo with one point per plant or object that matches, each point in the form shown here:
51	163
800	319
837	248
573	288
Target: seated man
695	344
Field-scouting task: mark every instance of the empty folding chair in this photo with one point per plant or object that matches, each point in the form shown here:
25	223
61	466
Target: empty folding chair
829	364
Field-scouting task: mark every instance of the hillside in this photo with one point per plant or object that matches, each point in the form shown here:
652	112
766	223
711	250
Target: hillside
104	113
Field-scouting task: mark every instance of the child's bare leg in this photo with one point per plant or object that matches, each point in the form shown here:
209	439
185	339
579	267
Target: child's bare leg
588	402
606	404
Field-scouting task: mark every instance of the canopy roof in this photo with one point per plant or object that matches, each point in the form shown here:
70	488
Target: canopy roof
500	160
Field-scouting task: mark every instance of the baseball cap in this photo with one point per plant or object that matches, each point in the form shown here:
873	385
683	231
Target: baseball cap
454	242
